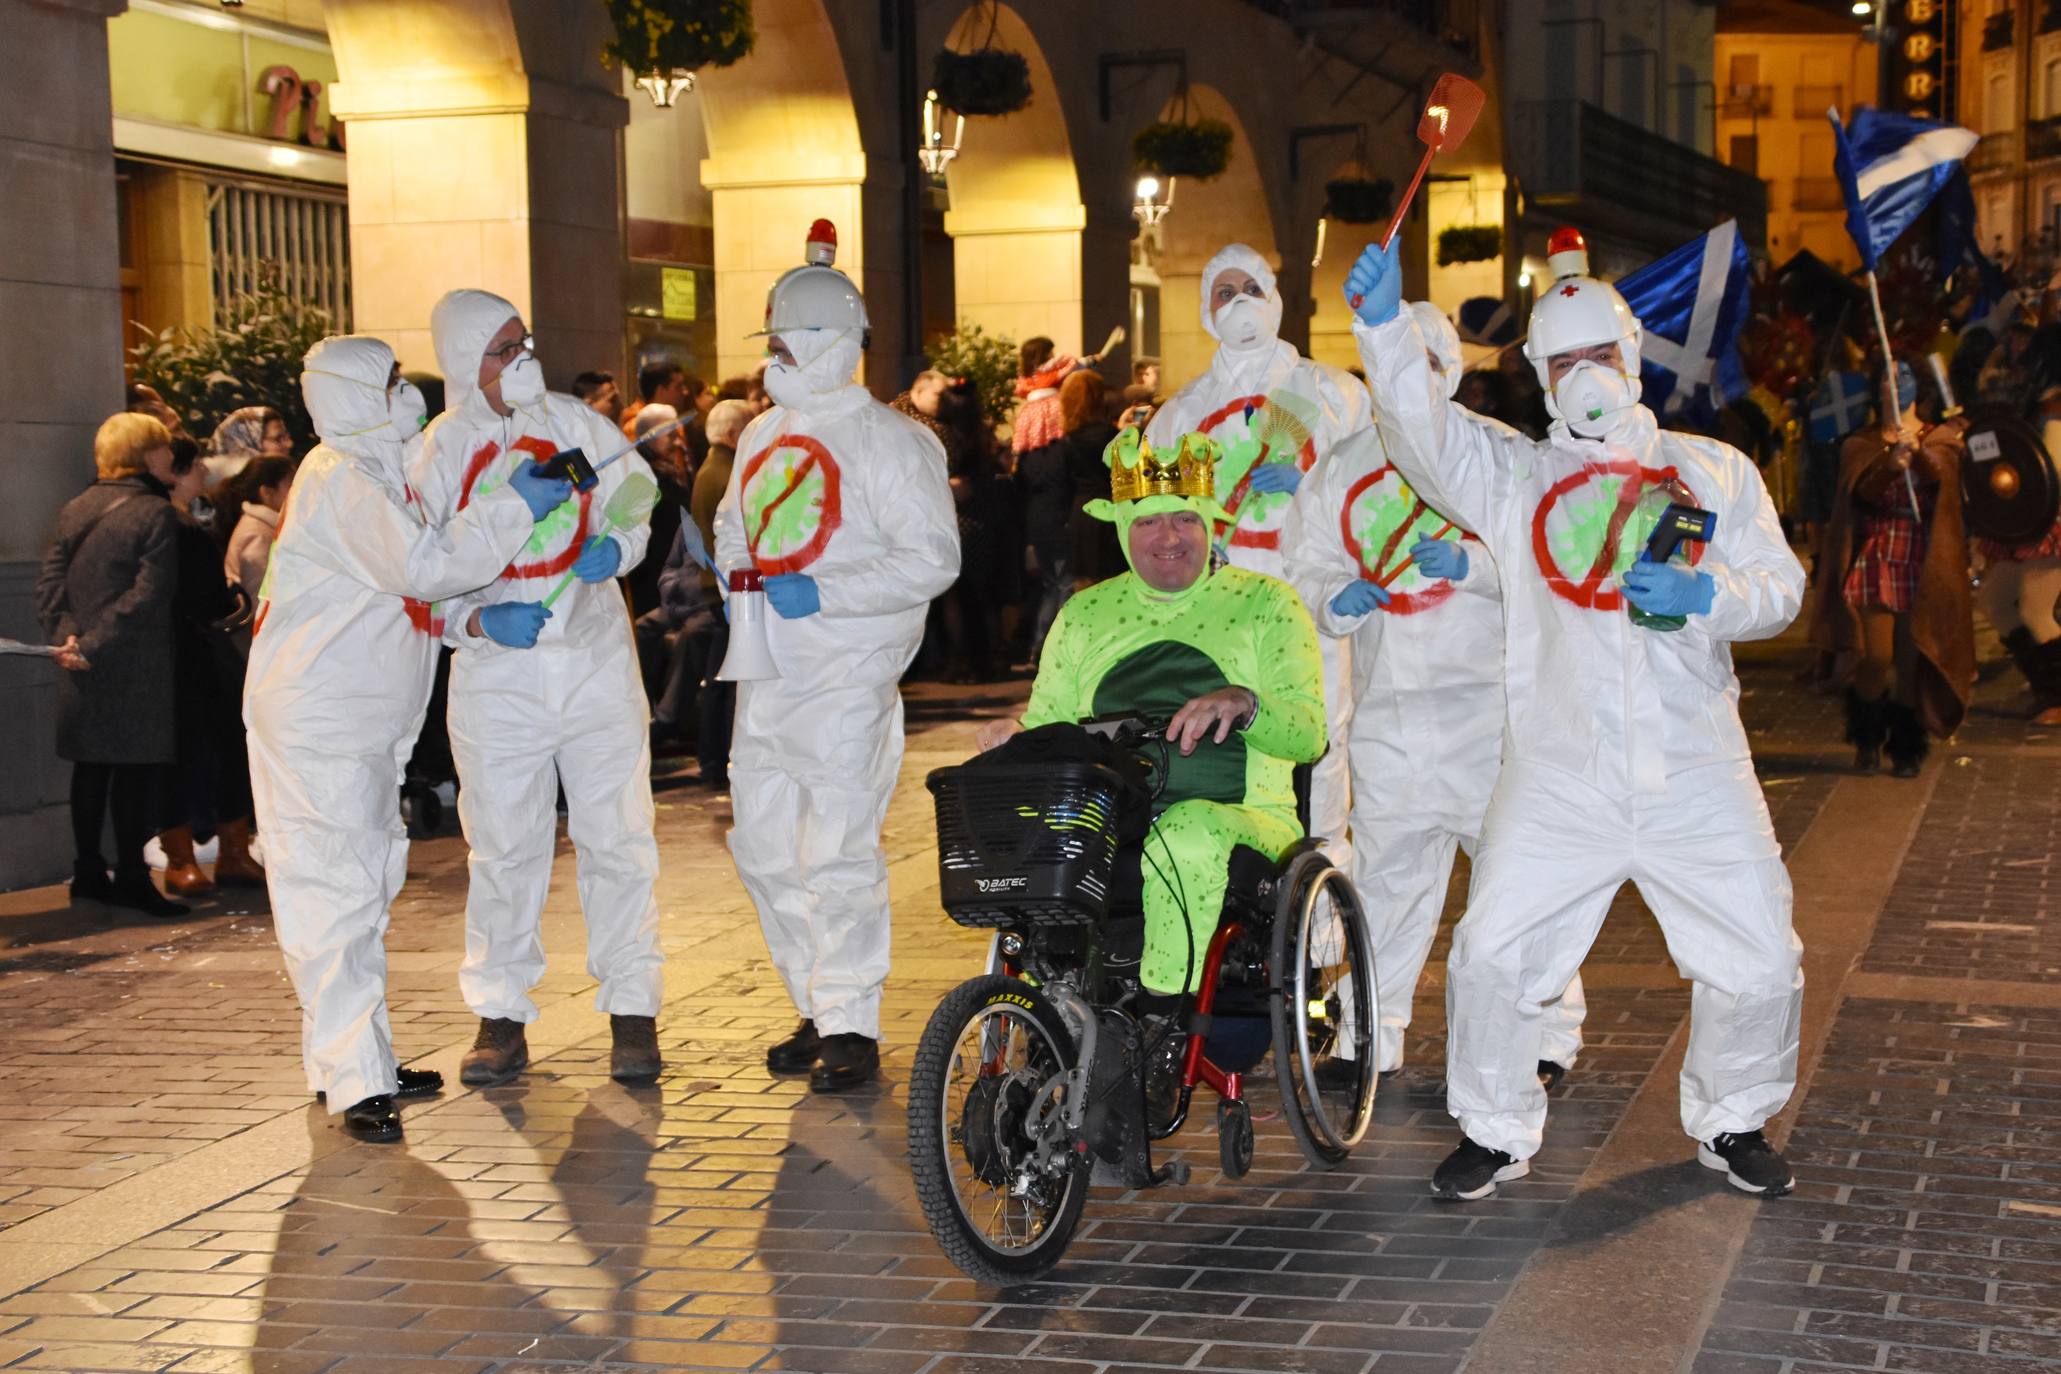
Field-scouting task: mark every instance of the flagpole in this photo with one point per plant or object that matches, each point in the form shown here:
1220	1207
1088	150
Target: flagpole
1889	384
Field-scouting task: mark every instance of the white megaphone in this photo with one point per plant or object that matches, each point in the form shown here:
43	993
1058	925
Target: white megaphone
750	656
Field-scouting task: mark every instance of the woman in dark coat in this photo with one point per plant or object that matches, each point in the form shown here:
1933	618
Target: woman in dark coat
104	597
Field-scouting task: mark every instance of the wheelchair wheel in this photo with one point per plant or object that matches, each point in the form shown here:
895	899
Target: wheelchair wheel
1000	1187
1322	979
1234	1137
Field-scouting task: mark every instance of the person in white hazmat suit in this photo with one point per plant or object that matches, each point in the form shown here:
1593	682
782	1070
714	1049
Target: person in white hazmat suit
1241	310
1427	705
842	504
568	713
339	678
1624	757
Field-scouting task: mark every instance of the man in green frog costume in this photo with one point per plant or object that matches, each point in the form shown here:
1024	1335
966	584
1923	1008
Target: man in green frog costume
1230	655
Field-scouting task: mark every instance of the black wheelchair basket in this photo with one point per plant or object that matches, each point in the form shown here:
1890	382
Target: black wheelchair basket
1026	844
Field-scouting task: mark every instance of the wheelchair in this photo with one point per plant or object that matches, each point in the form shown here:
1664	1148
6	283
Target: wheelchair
1043	1076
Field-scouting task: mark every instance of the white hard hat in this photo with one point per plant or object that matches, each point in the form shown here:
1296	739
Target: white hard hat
1581	312
814	298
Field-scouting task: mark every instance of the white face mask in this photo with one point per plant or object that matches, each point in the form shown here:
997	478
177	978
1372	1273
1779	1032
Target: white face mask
407	412
1248	322
522	382
1593	399
824	361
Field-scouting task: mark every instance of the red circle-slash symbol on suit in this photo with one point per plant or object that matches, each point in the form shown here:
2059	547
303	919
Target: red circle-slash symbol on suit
1594	588
1393	553
1305	459
540	449
827	505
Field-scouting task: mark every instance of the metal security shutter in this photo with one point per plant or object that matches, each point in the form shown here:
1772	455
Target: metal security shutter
296	240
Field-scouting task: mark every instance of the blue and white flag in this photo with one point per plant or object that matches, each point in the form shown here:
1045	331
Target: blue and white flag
1890	166
1692	304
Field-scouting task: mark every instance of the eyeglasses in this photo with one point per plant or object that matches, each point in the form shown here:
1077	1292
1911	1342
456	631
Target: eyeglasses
510	351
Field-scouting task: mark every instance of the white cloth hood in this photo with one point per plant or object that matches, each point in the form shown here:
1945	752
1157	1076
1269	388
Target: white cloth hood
1245	260
343	381
1441	340
460	327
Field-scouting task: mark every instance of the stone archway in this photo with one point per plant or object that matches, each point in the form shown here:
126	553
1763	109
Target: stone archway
1233	208
1016	214
483	153
784	151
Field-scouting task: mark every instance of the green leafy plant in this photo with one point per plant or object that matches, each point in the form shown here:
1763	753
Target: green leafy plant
988	360
678	35
251	357
989	81
1175	148
1469	243
1356	200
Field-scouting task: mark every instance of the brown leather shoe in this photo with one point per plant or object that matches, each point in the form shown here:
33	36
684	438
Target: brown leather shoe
499	1052
235	867
634	1057
183	877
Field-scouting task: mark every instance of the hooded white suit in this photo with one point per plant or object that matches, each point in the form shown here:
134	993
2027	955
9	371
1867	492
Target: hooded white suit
1427	705
568	713
1227	403
340	669
832	484
1623	759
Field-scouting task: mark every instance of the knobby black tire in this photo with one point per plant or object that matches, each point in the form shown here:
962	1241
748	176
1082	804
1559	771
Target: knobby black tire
929	1162
1321	1150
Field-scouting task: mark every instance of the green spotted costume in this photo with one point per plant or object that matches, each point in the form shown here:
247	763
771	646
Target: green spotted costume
1122	647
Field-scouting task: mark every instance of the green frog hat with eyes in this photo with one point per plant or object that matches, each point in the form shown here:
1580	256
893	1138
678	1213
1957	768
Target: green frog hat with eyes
1144	483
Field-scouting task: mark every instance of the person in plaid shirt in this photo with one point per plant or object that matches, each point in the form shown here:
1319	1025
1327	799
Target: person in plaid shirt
1893	586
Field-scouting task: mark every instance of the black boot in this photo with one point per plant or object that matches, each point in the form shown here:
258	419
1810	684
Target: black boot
2043	671
1867	725
1908	741
90	882
797	1053
2019	645
132	888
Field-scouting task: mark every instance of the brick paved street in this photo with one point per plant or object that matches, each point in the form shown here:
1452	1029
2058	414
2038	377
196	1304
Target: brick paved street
170	1199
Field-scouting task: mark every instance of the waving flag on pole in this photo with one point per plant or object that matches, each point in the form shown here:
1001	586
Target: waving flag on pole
1891	166
1692	304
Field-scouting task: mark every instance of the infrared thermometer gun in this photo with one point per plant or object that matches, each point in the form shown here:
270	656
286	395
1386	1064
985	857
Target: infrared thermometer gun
1678	525
571	464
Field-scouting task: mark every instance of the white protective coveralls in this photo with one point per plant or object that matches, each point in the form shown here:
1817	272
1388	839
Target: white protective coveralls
1624	757
832	484
1227	403
340	670
1427	706
569	712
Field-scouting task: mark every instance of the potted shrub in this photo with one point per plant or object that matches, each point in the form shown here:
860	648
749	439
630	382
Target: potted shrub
1357	200
1178	148
984	82
1469	243
676	37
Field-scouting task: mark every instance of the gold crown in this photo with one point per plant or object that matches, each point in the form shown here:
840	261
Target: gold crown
1136	472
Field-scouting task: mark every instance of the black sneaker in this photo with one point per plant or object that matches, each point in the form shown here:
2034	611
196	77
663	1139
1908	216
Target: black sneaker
1550	1074
1751	1164
1472	1172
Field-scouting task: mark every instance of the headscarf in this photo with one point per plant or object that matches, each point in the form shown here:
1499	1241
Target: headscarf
236	440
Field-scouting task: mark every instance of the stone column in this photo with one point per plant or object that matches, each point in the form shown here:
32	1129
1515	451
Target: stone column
60	368
483	152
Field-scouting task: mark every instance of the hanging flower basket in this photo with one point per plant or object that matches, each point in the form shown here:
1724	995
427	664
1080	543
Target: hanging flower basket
678	36
1469	243
1356	200
986	82
1201	150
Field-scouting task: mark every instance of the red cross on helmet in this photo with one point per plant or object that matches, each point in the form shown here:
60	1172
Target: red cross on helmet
1581	312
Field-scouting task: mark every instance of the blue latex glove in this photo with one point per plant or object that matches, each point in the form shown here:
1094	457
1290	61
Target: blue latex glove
1668	588
1374	287
1440	558
1359	598
514	624
542	494
793	595
1273	477
599	560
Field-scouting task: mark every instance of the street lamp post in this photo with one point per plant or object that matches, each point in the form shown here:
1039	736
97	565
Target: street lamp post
934	153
